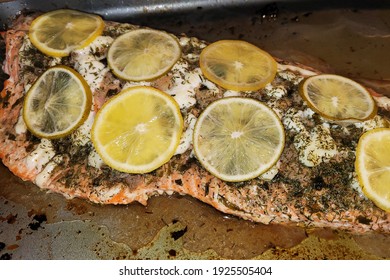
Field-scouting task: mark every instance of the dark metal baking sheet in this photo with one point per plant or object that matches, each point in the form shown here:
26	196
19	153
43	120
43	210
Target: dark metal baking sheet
346	37
122	10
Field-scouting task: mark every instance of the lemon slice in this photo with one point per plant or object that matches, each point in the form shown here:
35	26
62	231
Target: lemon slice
143	54
338	98
59	32
237	139
373	166
57	103
138	130
237	65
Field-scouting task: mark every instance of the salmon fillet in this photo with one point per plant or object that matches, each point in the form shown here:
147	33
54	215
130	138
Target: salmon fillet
319	192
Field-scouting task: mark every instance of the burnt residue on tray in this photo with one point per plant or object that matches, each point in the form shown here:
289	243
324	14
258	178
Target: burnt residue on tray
37	221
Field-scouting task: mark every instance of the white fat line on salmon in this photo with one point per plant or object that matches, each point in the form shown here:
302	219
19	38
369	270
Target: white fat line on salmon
316	146
20	127
93	71
42	154
82	135
271	173
290	76
43	178
275	91
88	61
94	159
231	93
186	138
382	102
185	41
356	186
130	84
184	84
27	46
108	194
293	68
375	122
293	119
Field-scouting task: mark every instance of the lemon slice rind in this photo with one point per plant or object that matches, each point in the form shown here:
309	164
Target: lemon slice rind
68	29
143	54
237	65
341	99
372	166
128	135
250	130
67	98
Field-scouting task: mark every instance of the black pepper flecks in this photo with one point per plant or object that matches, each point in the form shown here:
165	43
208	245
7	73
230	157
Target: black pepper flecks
76	152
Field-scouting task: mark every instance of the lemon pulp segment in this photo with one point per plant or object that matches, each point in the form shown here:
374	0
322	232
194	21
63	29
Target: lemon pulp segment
338	98
237	65
373	166
59	32
237	139
57	103
143	54
138	130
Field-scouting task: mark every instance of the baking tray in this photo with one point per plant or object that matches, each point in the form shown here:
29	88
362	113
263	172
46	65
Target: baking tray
345	37
120	10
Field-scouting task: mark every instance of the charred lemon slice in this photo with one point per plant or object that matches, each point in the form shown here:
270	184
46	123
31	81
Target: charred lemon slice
373	166
237	139
237	65
57	103
138	130
59	32
338	98
143	54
